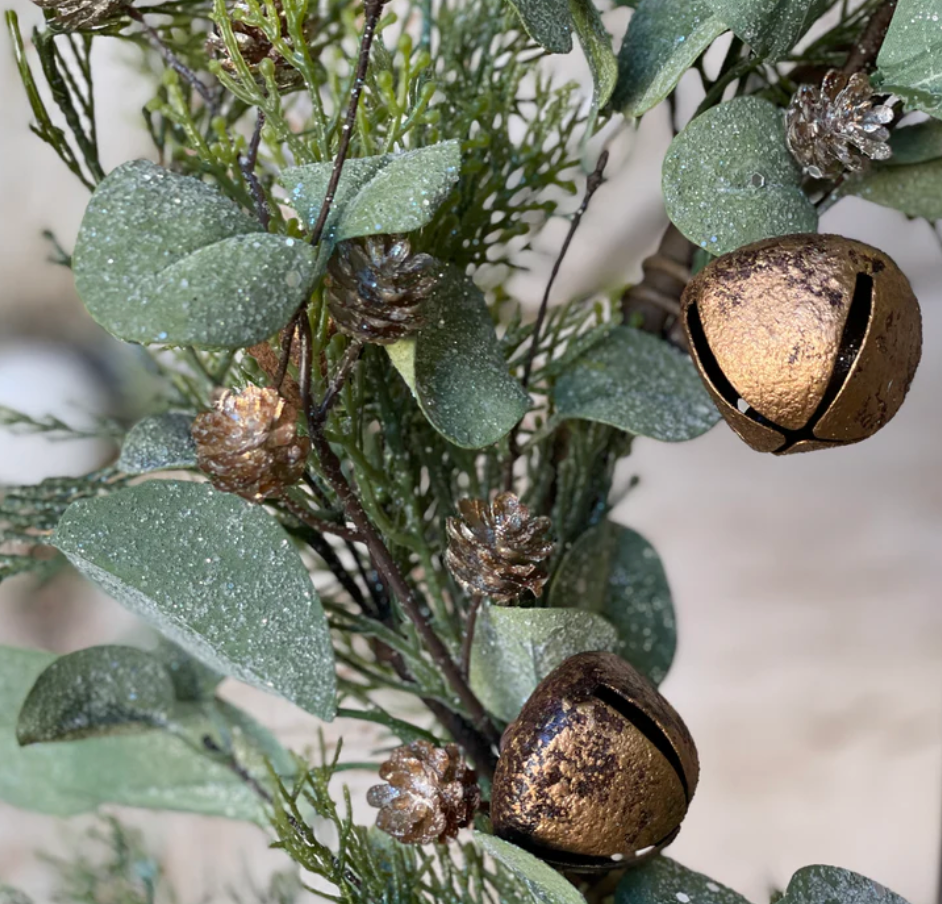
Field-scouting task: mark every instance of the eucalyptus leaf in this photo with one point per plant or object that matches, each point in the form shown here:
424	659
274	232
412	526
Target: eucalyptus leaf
832	885
543	882
918	143
729	180
10	895
515	649
192	681
770	27
159	442
910	60
97	691
164	258
392	193
597	45
916	190
157	770
665	881
638	383
615	572
456	369
216	575
664	39
548	22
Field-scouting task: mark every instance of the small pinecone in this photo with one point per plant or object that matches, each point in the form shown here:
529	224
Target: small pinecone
376	287
249	444
255	47
76	15
498	550
429	795
837	127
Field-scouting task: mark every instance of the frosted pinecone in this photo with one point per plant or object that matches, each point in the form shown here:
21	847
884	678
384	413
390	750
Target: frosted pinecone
249	443
76	15
429	794
376	287
837	127
255	46
498	550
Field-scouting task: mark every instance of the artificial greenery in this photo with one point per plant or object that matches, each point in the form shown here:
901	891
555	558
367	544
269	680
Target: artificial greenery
282	128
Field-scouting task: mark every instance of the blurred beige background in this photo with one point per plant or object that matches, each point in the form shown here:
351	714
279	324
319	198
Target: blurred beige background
807	588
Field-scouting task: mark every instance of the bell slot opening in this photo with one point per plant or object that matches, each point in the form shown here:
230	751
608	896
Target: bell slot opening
647	726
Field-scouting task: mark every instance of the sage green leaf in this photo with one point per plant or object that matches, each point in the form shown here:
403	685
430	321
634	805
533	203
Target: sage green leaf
770	27
548	22
392	193
461	379
615	572
164	258
916	190
831	885
543	882
158	443
638	383
665	881
157	770
515	649
910	60
9	895
597	45
192	681
216	575
664	39
729	180
916	144
97	691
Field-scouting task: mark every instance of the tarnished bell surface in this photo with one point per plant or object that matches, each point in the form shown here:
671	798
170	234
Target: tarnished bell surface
597	765
805	341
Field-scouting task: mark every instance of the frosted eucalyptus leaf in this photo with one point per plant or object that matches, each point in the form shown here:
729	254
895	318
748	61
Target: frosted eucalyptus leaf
548	22
515	649
729	180
460	376
164	258
597	45
910	61
664	39
543	882
665	881
615	572
192	681
770	27
97	691
157	443
10	895
916	144
916	190
156	770
831	885
216	575
391	193
638	383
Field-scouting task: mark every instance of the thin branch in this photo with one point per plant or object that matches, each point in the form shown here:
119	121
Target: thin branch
379	552
863	56
350	357
593	183
247	164
321	525
171	59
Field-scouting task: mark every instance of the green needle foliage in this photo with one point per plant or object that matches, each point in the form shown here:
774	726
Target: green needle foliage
390	161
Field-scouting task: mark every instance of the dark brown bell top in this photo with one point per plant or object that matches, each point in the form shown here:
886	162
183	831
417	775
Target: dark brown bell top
597	765
804	341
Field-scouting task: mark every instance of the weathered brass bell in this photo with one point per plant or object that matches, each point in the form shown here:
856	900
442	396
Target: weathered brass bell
804	341
597	768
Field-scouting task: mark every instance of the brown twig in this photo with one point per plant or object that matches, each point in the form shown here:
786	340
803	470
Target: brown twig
379	552
350	357
592	185
247	164
171	59
321	525
863	55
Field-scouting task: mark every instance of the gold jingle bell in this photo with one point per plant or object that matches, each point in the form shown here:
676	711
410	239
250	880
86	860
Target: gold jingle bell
596	769
804	341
